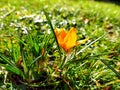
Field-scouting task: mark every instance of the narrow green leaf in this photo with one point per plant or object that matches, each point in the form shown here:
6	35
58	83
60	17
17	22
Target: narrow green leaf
15	70
5	59
36	59
117	74
90	44
49	22
24	62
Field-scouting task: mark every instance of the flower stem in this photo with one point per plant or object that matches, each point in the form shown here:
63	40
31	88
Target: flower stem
65	60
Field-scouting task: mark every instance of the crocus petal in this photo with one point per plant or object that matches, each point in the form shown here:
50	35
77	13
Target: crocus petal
60	34
70	39
82	41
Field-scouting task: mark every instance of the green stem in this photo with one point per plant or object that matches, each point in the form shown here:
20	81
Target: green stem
51	26
65	60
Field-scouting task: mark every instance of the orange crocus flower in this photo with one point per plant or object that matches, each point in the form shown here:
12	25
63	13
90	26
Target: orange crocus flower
66	40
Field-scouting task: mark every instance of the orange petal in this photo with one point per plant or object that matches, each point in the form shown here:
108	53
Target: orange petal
56	32
60	34
70	39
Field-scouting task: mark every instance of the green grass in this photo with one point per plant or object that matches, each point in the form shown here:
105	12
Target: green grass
25	32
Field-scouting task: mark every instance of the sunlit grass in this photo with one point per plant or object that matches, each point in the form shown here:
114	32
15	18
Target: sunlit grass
35	60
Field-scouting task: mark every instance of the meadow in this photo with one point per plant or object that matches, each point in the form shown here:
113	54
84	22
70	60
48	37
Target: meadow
59	45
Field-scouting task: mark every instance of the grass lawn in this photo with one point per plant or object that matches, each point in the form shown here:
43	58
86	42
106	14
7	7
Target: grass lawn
59	44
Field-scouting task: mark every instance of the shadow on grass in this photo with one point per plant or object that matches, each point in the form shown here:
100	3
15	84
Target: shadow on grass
117	2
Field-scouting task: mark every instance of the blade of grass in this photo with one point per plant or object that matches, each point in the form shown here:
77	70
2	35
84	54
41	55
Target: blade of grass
36	59
5	59
51	26
117	74
15	70
90	44
24	62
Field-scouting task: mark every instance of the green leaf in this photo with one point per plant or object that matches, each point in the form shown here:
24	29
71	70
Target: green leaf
34	61
5	59
10	66
13	69
117	73
90	44
51	26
